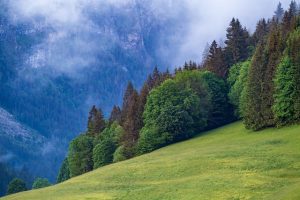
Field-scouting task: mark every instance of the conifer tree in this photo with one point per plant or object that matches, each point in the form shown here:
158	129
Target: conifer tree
115	115
215	61
96	122
126	102
251	108
130	120
287	81
273	54
156	78
293	9
141	103
64	172
279	12
261	32
236	43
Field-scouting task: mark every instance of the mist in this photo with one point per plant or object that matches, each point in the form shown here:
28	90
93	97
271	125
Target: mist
200	23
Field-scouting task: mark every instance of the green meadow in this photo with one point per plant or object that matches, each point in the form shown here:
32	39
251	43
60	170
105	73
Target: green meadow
227	163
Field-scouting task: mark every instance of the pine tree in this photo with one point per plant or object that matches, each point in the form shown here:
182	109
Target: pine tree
273	54
156	78
130	120
64	172
251	108
115	115
279	12
96	122
289	19
216	61
237	43
141	103
287	81
126	101
293	9
261	32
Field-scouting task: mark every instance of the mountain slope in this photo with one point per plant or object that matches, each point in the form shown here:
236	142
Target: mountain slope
54	69
24	152
227	163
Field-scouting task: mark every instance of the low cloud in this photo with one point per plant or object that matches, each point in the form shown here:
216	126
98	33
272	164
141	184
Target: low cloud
200	23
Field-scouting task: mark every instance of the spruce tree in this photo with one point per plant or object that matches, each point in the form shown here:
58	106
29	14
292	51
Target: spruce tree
156	78
261	32
236	43
64	172
216	62
293	9
130	120
287	81
96	122
115	115
279	12
141	104
251	108
273	54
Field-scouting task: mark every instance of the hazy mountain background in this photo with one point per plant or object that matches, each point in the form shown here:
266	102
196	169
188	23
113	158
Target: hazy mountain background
58	58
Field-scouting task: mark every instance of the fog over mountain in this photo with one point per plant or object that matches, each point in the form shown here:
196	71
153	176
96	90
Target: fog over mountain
197	17
59	57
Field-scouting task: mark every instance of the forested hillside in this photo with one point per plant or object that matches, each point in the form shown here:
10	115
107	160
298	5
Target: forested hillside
252	76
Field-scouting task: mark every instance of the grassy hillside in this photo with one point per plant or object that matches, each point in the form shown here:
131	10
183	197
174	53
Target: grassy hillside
227	163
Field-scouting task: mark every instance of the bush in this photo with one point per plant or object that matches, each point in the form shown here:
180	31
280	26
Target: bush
40	183
15	186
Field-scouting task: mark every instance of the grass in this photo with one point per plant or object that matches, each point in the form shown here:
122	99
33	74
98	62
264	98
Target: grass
226	163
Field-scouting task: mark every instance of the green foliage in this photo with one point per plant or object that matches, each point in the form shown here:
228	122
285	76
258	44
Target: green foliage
215	61
96	123
237	80
130	119
179	108
287	91
80	155
106	145
237	43
221	112
171	109
119	154
40	183
103	153
252	97
259	92
15	186
64	172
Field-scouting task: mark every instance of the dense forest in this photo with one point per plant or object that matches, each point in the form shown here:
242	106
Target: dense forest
254	77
